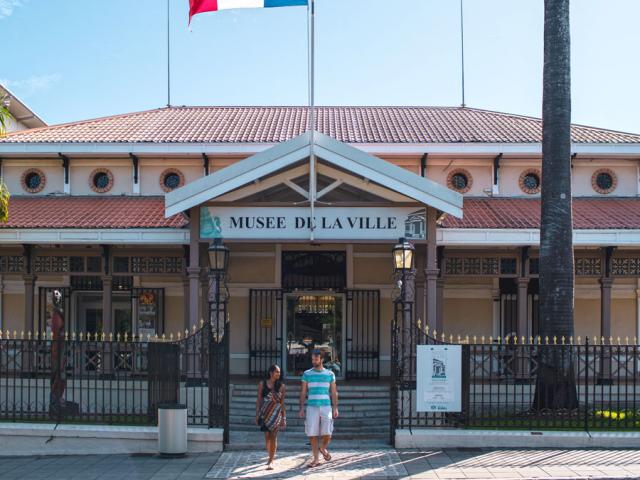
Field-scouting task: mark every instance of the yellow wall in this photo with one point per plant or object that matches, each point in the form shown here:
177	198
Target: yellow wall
12	171
13	312
174	314
468	316
623	317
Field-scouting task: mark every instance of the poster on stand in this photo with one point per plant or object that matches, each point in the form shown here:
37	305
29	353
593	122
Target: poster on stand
439	378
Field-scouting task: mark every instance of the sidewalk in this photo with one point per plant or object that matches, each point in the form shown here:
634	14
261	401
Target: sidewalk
345	465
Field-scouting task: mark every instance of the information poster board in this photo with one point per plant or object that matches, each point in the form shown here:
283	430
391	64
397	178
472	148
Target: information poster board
439	378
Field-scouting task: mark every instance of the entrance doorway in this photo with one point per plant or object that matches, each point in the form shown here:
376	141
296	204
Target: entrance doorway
89	313
314	321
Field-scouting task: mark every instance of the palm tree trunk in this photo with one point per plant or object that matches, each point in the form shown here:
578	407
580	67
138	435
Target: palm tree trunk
555	386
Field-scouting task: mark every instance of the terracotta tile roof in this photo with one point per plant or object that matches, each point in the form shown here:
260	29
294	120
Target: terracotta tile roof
277	124
90	212
148	212
588	213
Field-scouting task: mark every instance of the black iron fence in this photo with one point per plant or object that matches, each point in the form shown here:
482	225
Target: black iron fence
91	378
512	383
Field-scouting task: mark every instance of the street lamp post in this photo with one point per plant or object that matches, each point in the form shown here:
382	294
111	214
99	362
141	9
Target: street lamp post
405	274
218	337
218	295
403	297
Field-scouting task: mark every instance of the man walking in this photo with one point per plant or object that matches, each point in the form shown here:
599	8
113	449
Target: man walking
322	406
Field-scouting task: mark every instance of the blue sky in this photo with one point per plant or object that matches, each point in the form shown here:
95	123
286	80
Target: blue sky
76	59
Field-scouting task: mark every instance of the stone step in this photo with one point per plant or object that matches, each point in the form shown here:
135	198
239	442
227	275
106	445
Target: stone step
296	385
296	392
370	416
339	429
347	403
298	422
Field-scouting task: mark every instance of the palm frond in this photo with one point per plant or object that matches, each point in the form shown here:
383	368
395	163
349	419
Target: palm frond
5	114
4	202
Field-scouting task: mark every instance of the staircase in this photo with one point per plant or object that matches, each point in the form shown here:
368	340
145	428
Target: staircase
364	416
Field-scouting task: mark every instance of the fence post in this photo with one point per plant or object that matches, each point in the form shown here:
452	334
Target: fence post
466	384
586	384
393	390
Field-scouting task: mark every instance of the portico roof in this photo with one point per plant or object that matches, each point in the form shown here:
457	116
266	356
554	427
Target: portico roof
327	150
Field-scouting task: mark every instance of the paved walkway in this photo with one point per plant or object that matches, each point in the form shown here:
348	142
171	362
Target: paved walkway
346	464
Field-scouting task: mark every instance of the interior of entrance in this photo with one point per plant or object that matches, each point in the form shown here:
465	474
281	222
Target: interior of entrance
314	321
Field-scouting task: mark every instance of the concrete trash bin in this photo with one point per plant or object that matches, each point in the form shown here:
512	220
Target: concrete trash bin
172	429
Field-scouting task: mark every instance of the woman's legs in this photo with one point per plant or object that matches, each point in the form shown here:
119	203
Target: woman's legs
273	445
267	442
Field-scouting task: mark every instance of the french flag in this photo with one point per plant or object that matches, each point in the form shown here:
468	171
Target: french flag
200	6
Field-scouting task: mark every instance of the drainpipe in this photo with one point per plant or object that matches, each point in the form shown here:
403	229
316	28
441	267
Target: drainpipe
65	166
495	188
423	165
136	170
205	164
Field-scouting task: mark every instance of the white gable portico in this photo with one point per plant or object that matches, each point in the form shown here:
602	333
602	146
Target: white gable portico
286	162
317	191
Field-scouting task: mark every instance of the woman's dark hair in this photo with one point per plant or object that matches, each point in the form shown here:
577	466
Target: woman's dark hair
278	383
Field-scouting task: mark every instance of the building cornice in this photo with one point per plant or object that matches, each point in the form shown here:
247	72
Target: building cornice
465	149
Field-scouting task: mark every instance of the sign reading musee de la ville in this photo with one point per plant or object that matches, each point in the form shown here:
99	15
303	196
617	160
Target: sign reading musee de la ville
330	223
439	378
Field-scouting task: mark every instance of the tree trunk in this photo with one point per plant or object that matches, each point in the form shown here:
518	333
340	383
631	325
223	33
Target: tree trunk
555	384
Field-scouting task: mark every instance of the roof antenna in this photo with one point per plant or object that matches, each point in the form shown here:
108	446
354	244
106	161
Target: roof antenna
462	47
168	57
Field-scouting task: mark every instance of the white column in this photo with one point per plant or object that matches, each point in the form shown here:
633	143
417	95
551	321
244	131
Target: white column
349	253
278	279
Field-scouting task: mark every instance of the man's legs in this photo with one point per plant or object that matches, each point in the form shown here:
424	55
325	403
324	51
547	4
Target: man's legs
325	444
314	448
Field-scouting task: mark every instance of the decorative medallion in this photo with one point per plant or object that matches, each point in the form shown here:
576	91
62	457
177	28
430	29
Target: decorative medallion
459	180
33	180
171	179
604	181
530	181
101	180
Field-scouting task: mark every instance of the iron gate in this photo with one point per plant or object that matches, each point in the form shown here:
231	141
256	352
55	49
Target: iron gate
266	332
363	334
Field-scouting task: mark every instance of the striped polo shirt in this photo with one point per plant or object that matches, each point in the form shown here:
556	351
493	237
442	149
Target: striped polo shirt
318	382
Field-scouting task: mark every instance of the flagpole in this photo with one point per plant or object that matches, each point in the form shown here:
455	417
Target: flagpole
312	115
168	57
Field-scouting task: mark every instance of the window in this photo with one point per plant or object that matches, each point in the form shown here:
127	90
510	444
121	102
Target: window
101	180
530	181
33	180
604	181
460	180
171	179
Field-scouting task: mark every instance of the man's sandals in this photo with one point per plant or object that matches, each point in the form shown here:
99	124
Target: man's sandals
327	458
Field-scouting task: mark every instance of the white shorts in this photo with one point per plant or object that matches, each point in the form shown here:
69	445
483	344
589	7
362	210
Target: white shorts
319	421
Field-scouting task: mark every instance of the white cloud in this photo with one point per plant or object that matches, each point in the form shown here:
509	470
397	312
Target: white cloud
32	84
7	6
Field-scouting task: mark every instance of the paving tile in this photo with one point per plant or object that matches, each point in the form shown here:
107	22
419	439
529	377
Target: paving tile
346	464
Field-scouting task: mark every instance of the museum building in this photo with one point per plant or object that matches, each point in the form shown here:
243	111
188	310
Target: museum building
118	214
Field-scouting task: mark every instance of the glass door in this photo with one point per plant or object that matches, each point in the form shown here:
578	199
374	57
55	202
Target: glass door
314	321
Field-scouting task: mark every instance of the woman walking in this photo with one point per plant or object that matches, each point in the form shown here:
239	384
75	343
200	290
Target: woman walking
270	411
